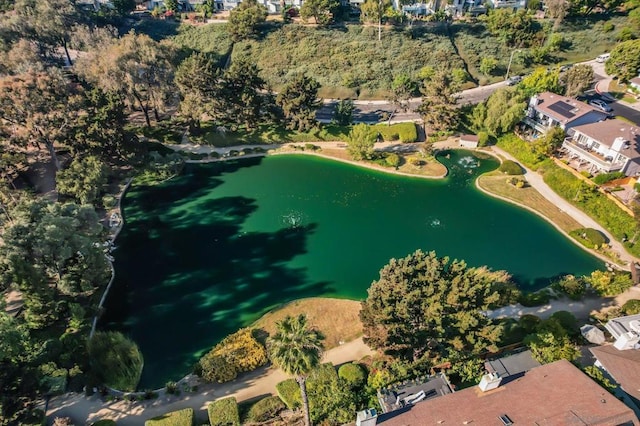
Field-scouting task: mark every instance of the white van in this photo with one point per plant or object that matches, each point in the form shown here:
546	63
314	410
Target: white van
603	57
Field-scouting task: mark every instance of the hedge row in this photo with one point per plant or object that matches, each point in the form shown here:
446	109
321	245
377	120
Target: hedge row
185	417
403	132
224	412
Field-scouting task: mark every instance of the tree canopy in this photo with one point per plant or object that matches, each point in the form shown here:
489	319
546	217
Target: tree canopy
245	19
360	142
625	60
299	101
424	308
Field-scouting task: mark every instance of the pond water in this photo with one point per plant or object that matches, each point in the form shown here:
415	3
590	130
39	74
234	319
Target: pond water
209	252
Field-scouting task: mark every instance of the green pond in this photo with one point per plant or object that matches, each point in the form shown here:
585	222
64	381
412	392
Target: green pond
210	251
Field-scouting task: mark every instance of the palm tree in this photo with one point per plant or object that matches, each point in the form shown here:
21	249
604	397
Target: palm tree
297	350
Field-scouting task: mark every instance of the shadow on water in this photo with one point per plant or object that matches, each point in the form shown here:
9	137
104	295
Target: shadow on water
186	275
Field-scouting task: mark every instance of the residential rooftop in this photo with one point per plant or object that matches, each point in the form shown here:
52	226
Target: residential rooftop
562	108
624	366
621	325
606	132
401	395
552	394
512	366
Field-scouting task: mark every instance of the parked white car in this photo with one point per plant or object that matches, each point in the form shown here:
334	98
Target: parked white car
603	58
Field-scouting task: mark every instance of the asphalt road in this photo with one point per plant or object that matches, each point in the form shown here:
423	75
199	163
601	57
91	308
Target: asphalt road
375	111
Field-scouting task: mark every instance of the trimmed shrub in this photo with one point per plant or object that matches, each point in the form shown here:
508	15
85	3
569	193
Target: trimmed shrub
392	160
265	409
353	374
289	393
511	168
185	417
607	177
311	147
215	368
104	422
236	353
631	307
224	412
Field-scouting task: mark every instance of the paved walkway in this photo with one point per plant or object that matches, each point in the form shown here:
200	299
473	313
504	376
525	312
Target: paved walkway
262	382
536	181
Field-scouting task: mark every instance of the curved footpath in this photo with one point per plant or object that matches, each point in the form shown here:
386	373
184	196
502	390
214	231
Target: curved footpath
536	181
259	383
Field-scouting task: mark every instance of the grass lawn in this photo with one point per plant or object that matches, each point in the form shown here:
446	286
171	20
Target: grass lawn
337	319
496	183
619	91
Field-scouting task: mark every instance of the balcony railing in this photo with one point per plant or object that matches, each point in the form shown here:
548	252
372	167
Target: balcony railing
541	127
591	156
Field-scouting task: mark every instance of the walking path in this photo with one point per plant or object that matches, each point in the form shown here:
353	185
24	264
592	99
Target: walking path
536	181
259	383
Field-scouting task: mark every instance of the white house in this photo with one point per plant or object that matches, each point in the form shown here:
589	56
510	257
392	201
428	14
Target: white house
608	146
547	110
512	4
469	141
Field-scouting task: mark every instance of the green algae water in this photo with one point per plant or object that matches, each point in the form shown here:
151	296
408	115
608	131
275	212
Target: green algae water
209	252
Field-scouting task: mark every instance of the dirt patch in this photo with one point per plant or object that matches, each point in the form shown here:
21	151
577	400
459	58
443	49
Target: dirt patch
496	183
337	319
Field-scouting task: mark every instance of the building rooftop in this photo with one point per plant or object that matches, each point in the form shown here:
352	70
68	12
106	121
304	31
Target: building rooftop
623	366
563	109
552	394
635	80
606	132
619	326
512	366
401	395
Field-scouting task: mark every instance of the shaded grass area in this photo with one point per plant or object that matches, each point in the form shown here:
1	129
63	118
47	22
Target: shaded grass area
272	134
496	183
212	38
619	91
337	319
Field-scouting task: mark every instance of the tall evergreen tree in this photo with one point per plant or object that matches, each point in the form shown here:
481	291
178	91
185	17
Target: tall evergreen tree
299	101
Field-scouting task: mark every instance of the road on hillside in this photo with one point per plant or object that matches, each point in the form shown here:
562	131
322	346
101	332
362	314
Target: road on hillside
375	111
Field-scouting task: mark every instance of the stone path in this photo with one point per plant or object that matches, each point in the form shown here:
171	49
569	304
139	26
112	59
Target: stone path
259	383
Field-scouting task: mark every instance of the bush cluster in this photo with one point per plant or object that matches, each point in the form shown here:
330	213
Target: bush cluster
631	307
265	409
236	353
608	177
573	287
224	412
608	283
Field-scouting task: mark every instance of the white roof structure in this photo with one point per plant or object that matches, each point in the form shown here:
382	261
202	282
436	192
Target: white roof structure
592	334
